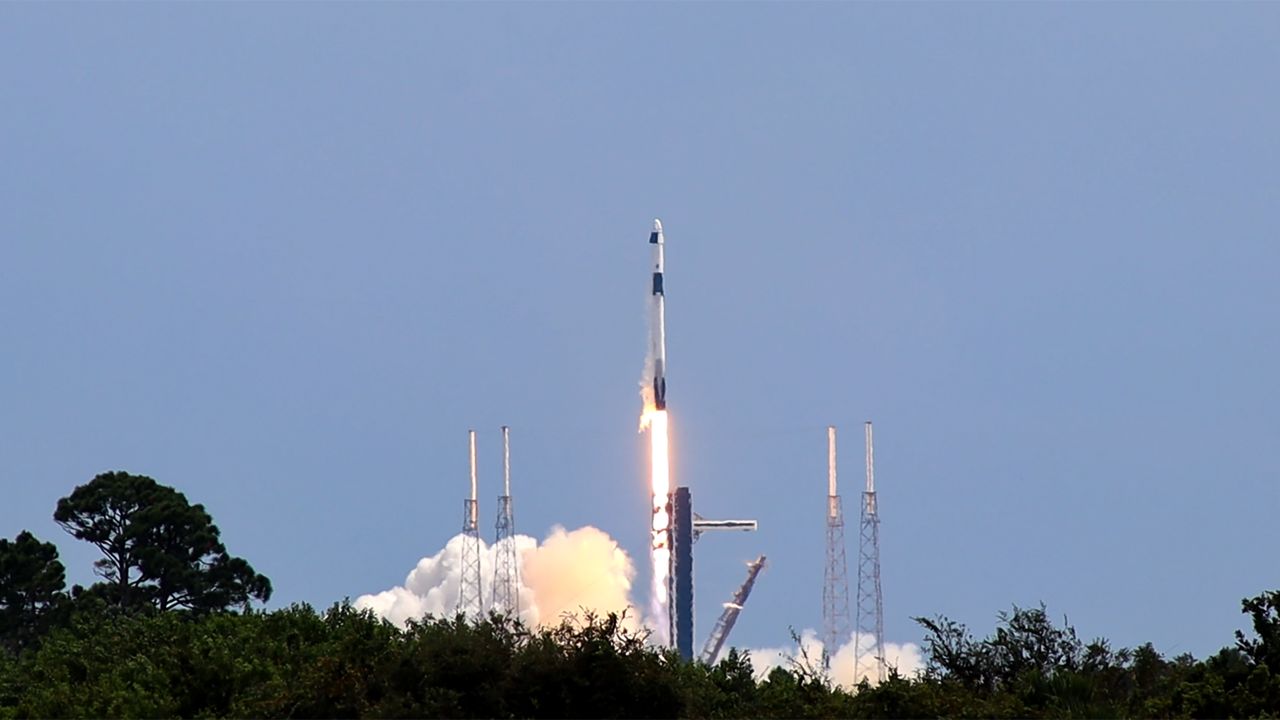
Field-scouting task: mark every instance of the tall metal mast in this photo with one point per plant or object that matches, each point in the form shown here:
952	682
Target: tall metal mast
835	588
470	599
870	621
506	574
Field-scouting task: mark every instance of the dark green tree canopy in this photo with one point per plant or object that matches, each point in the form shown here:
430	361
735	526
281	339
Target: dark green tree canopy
1264	611
31	583
345	662
158	549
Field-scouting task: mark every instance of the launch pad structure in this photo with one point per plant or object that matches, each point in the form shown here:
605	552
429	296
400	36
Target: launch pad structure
506	571
835	580
505	593
470	593
868	628
869	624
720	633
687	527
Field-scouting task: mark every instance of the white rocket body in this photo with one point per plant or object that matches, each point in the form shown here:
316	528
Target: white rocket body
658	320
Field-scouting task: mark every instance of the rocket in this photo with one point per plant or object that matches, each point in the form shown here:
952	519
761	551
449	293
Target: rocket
657	321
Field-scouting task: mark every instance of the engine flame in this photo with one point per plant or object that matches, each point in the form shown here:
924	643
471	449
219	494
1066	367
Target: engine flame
660	486
656	422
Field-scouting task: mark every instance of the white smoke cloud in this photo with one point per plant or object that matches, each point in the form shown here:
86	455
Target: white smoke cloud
571	571
585	569
906	657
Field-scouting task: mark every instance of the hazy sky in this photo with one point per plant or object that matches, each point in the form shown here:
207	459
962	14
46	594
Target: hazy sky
282	256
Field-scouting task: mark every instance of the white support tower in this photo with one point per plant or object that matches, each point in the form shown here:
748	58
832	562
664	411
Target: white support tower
870	620
835	587
470	596
506	573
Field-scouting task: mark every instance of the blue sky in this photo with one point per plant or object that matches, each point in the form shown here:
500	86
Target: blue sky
282	256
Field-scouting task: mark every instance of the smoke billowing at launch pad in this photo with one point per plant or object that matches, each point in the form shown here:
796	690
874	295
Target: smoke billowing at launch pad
567	571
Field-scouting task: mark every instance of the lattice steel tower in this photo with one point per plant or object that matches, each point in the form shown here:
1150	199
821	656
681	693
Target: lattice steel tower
724	626
506	572
835	588
870	621
470	599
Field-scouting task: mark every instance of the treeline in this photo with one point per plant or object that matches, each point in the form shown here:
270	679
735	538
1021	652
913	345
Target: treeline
343	662
169	632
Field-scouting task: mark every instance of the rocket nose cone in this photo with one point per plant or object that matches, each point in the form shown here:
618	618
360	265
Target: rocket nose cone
657	225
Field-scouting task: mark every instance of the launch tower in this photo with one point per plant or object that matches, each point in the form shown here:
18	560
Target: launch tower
506	573
835	588
470	600
686	527
870	619
682	572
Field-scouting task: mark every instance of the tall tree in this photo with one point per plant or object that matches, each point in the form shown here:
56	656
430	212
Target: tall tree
31	584
158	549
1264	610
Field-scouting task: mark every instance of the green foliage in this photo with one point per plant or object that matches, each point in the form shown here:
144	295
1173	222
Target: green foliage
295	662
159	551
1264	611
1031	668
31	584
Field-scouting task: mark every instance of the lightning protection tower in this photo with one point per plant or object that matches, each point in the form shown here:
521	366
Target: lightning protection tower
870	621
506	574
835	588
470	600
